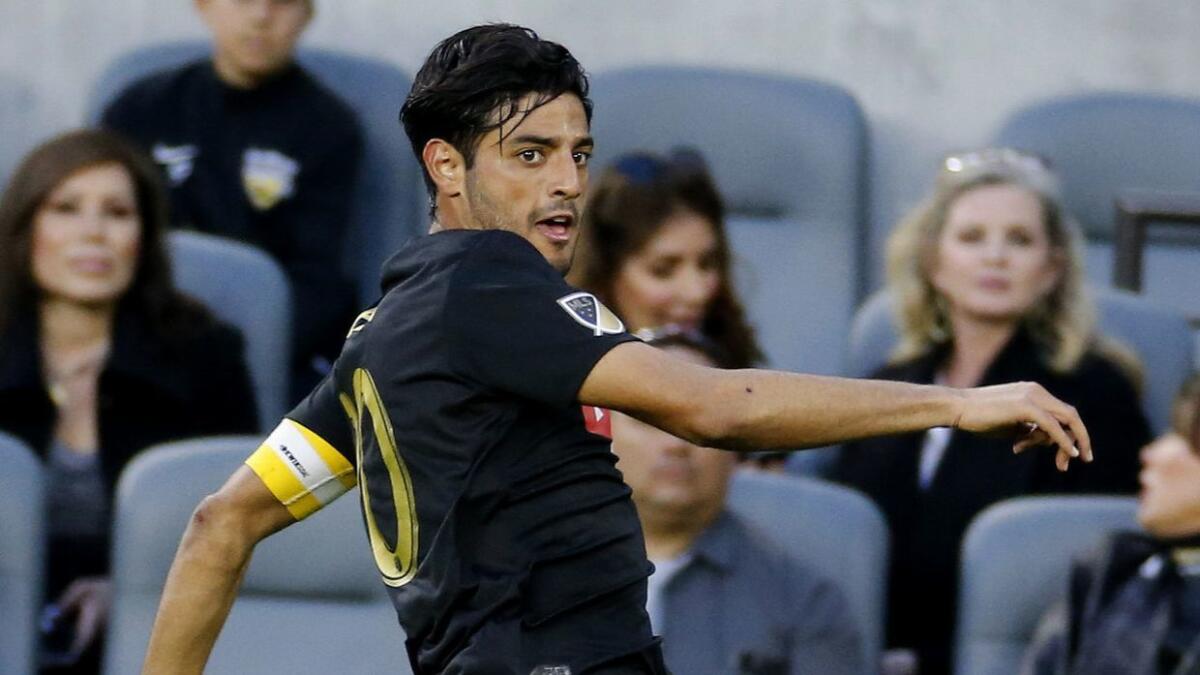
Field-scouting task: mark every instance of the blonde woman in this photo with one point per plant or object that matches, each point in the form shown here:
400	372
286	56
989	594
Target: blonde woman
989	288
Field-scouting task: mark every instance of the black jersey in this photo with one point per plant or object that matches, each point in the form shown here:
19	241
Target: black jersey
498	520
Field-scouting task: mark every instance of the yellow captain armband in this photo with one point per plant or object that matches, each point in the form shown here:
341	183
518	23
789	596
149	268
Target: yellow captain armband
302	470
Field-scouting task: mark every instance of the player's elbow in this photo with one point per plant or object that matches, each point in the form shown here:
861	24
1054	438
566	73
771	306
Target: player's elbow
713	424
220	525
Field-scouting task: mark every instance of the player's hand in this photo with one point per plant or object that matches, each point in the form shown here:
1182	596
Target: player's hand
1031	415
88	599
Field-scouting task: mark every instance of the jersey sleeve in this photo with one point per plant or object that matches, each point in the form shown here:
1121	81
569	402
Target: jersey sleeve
308	460
516	326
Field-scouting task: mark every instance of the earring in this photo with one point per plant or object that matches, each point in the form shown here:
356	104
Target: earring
939	330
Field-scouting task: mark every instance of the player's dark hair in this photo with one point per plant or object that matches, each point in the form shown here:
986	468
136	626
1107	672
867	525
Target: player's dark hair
151	292
629	205
474	81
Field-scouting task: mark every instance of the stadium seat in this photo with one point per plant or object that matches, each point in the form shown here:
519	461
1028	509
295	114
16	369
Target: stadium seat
1159	336
1102	143
1015	564
837	531
389	203
245	287
22	541
311	602
789	156
18	102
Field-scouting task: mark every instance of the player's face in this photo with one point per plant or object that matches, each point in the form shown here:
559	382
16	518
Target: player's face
253	39
673	278
1169	504
673	481
86	237
994	259
530	177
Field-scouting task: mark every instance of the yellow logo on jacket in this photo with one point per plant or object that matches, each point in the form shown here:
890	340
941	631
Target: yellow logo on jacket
268	176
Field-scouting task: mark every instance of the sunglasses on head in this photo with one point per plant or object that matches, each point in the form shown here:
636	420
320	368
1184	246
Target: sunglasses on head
642	168
959	162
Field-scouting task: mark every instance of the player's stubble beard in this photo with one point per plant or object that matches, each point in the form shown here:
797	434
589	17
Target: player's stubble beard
487	214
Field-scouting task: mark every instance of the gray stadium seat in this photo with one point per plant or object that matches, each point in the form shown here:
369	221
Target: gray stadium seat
1015	564
18	101
1159	336
837	531
311	602
1105	142
789	156
22	542
245	287
389	203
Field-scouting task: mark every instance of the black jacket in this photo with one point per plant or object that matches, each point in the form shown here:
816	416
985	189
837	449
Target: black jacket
975	472
273	166
1121	615
150	392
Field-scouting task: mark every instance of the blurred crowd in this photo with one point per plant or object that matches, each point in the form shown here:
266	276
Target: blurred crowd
102	356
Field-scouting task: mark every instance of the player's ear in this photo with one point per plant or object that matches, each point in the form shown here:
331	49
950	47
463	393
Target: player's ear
446	166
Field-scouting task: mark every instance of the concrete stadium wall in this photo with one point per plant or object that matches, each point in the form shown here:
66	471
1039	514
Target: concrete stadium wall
932	75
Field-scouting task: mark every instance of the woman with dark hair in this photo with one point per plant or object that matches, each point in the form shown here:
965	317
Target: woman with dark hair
653	248
100	356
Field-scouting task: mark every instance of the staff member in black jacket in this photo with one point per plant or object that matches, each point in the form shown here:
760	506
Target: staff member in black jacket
100	357
256	149
987	275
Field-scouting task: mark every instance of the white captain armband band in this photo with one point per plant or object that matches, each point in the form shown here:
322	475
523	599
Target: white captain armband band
302	470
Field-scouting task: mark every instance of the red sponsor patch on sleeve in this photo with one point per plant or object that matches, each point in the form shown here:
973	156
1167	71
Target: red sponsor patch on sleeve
598	421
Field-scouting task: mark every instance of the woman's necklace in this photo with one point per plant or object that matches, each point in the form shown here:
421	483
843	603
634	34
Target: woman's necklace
64	377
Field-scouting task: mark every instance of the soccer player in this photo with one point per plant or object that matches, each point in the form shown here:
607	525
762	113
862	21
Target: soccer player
470	403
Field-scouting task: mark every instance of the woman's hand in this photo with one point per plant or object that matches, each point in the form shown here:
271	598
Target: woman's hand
89	599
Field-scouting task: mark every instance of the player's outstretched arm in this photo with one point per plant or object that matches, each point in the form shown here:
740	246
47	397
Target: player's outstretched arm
762	409
207	572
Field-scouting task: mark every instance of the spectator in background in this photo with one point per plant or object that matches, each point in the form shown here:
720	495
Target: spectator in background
986	274
1135	608
653	249
100	356
255	149
723	596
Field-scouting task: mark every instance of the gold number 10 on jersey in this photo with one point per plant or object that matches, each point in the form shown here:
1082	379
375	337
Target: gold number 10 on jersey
369	415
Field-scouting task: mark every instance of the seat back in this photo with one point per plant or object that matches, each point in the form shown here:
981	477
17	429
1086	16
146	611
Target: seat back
1102	143
835	530
1160	337
388	202
22	549
1015	563
244	287
18	128
311	600
796	213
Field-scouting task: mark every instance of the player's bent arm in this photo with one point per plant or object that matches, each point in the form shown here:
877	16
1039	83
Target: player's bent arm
208	569
761	409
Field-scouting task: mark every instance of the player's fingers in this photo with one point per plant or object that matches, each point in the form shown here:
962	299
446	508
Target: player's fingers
1050	426
1033	438
1069	418
1062	460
